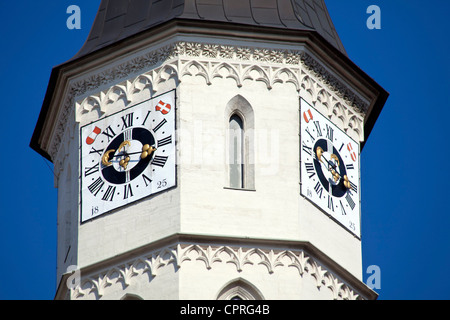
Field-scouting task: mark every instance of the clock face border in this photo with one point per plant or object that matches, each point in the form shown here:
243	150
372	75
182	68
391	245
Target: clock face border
353	224
170	96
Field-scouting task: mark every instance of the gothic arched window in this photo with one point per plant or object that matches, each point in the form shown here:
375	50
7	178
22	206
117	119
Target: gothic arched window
239	289
236	152
240	135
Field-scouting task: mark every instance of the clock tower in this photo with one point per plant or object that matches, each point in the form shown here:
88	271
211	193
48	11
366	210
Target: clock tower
209	150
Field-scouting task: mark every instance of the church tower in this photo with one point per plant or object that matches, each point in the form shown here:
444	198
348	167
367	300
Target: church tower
209	150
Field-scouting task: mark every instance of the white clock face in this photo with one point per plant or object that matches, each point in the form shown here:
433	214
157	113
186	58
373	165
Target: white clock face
128	156
330	168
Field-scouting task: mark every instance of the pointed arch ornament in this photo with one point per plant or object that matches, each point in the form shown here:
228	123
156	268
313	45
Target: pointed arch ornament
145	267
153	68
241	289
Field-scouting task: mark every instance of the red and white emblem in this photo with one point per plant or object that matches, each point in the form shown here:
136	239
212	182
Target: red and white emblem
352	153
91	138
307	115
163	107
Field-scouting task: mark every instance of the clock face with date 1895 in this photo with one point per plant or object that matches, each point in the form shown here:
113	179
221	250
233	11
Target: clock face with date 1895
330	168
128	156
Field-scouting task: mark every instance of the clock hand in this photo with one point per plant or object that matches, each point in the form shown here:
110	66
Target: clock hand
332	167
146	151
319	153
128	153
105	158
330	164
347	183
124	163
123	144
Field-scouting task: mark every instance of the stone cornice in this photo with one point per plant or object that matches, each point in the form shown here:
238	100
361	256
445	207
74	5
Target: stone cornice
274	255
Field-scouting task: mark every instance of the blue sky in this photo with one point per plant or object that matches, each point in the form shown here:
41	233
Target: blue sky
405	214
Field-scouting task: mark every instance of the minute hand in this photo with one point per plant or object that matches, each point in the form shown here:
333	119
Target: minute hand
147	150
332	168
319	154
126	153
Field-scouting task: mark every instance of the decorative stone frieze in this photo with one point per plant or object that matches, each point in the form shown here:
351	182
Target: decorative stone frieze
210	61
148	266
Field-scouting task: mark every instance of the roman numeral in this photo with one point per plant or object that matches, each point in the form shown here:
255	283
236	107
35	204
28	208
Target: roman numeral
329	133
319	189
96	186
127	121
128	135
99	151
350	201
312	138
88	171
109	193
109	133
163	122
353	186
319	132
146	179
127	191
307	149
330	203
159	161
350	166
310	169
146	117
342	209
165	141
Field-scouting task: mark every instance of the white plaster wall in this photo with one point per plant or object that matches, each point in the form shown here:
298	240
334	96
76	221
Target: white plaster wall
207	206
275	209
129	228
66	182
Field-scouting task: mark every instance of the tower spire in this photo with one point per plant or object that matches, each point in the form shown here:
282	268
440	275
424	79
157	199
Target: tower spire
117	19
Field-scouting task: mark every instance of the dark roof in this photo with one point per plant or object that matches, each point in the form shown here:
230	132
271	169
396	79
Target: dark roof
120	19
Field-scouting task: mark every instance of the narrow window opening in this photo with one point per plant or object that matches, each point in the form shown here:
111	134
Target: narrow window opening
239	121
236	152
239	289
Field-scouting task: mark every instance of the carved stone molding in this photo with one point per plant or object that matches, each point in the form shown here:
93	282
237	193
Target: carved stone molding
240	63
149	265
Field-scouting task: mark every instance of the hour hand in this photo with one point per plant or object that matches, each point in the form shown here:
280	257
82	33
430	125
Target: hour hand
105	158
147	150
348	184
319	152
123	144
330	166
